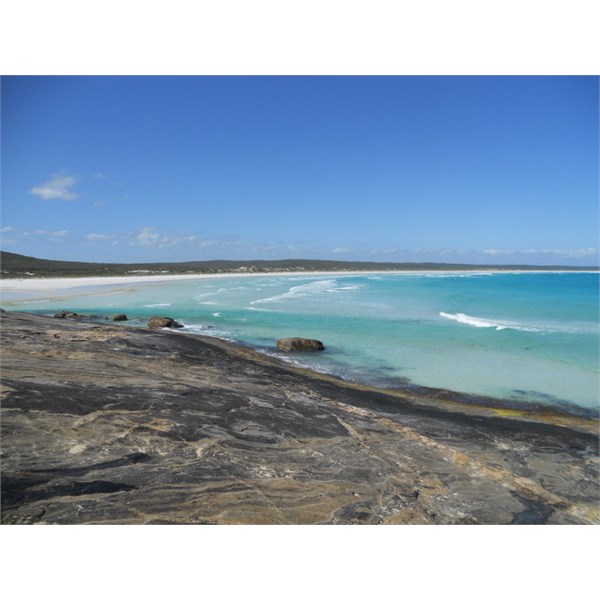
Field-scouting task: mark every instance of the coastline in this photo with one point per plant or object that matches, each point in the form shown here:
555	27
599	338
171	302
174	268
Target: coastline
63	290
64	283
136	425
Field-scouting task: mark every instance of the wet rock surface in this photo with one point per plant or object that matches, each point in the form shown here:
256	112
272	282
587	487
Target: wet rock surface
105	423
162	322
297	344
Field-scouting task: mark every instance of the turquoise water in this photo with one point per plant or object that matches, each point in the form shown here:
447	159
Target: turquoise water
528	337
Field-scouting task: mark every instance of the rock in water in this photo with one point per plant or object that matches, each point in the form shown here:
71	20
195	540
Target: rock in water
65	314
120	317
299	344
158	322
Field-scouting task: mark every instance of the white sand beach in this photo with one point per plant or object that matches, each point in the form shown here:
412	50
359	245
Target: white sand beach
76	286
64	283
22	289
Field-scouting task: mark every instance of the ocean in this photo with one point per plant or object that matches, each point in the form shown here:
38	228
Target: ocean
522	337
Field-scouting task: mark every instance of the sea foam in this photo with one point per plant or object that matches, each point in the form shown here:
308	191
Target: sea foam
479	322
299	291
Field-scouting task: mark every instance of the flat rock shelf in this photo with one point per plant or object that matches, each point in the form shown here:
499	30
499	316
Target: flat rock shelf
106	423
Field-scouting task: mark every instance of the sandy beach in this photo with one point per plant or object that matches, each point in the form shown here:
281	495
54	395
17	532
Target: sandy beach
19	289
59	284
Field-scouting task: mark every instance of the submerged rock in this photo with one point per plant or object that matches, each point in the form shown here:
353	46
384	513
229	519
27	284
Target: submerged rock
299	344
120	317
159	322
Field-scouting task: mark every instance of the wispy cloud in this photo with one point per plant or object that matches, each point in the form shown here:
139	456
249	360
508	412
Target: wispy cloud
15	236
559	252
97	237
151	237
58	187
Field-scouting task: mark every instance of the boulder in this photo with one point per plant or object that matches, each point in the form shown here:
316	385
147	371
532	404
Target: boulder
299	344
64	314
158	322
119	317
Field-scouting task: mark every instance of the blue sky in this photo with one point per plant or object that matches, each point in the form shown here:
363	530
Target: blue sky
446	169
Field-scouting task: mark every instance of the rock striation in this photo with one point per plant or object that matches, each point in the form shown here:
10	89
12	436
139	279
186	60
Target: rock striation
107	423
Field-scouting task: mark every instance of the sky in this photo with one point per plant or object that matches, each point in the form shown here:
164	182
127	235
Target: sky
473	169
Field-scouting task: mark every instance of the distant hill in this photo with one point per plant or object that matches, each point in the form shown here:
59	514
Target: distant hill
17	265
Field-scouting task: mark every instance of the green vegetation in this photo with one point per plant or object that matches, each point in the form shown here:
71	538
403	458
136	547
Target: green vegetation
19	266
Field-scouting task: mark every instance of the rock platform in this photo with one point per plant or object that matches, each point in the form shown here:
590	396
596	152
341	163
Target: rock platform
108	423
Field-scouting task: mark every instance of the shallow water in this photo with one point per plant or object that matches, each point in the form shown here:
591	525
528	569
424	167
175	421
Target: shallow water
528	337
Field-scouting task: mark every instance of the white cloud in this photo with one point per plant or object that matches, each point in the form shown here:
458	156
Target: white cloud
94	237
341	250
148	236
561	252
56	188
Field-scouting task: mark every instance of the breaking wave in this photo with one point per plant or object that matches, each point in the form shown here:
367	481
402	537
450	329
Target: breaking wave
299	291
479	322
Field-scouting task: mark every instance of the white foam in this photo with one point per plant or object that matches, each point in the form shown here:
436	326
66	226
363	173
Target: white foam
216	314
160	304
479	322
345	288
575	327
207	294
299	291
453	275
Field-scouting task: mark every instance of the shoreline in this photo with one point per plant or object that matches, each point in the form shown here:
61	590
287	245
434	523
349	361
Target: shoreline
114	424
565	413
64	283
102	286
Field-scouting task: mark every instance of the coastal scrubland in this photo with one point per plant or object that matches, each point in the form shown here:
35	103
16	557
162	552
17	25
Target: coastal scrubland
18	266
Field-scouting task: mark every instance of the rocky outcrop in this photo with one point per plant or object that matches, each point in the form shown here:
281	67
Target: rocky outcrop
297	344
104	423
64	314
160	322
119	317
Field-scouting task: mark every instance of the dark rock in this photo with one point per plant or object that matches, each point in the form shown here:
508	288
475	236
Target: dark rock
158	322
63	314
138	427
299	344
120	317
